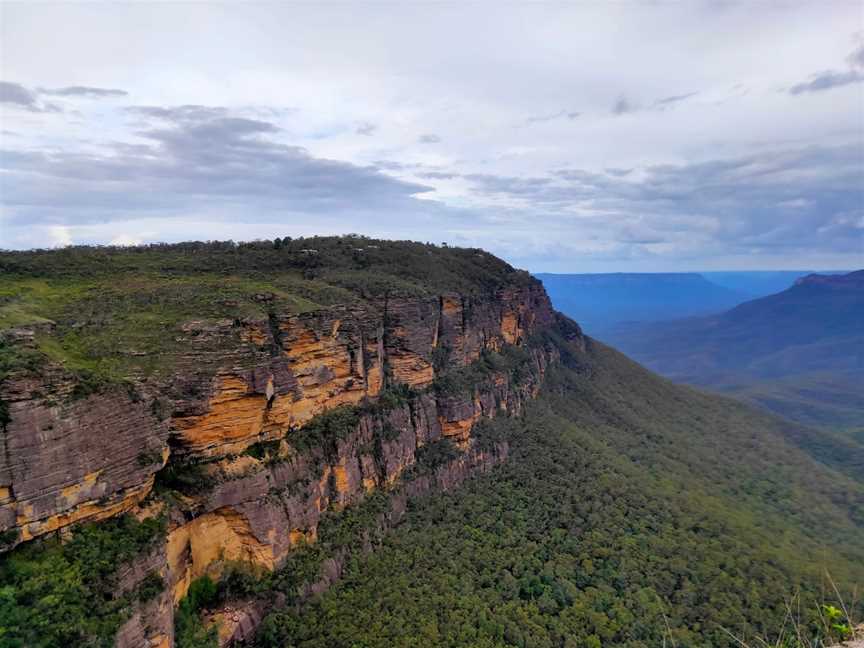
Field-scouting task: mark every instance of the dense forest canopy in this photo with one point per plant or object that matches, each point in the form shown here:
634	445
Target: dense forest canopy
353	261
632	512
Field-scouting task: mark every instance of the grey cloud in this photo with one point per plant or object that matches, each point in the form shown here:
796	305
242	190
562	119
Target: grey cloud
179	114
201	159
391	165
618	172
622	106
674	99
508	184
437	175
365	128
428	138
827	80
538	119
83	91
219	131
856	58
734	205
17	95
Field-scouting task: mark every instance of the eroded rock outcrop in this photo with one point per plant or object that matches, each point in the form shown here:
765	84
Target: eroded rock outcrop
68	458
301	365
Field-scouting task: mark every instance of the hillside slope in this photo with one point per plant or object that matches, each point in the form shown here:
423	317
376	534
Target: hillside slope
799	352
631	512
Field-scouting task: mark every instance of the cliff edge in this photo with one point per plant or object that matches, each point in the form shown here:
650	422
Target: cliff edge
239	394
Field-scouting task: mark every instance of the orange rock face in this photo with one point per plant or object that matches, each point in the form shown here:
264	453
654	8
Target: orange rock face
344	355
68	460
260	381
235	416
205	544
457	424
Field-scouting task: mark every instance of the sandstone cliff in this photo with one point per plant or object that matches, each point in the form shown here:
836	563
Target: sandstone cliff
239	413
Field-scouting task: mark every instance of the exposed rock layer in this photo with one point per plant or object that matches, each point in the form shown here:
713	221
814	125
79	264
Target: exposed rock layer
66	459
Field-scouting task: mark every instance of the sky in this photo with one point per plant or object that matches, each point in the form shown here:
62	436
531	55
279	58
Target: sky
564	137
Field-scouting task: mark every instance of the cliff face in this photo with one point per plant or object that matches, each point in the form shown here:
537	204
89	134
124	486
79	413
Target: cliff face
69	457
293	368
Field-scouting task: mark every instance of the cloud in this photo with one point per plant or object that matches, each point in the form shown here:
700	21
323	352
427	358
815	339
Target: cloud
622	106
199	159
59	236
181	114
856	58
366	128
437	175
429	138
674	99
83	91
125	240
20	96
772	200
15	94
539	119
175	165
828	79
392	165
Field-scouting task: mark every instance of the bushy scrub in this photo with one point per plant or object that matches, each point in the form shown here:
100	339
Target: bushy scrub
63	594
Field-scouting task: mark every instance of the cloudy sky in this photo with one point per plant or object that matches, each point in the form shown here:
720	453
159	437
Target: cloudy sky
605	136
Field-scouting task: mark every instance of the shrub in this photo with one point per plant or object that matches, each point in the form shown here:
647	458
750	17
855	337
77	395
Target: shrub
325	429
62	594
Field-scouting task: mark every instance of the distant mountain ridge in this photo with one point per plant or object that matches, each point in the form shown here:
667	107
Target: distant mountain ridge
604	300
851	281
760	283
799	352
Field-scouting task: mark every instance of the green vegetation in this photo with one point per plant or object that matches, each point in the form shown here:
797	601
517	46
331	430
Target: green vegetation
360	264
632	512
511	359
326	429
434	455
390	398
340	534
263	450
830	401
109	313
189	630
188	479
63	594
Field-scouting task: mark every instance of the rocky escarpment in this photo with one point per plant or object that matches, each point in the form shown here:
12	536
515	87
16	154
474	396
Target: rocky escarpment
279	419
67	456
